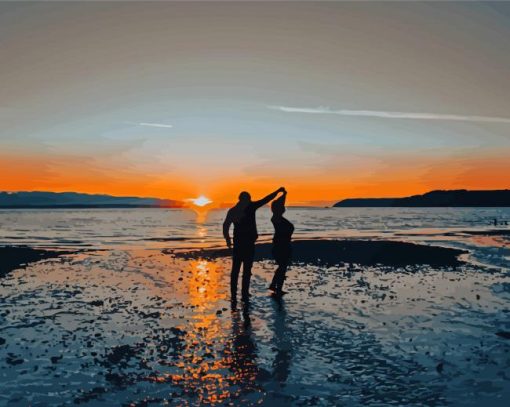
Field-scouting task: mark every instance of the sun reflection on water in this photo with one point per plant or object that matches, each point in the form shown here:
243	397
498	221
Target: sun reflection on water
205	333
201	232
217	361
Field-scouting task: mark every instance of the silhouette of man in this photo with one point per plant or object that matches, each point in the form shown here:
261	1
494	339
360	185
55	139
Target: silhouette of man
242	215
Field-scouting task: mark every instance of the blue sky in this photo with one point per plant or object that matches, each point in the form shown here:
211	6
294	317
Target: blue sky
83	80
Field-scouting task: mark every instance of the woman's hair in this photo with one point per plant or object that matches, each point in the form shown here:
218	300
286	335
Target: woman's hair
278	205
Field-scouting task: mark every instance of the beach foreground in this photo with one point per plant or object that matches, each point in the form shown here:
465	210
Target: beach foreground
155	327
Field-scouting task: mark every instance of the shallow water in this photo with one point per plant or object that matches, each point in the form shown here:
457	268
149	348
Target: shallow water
125	323
179	229
112	228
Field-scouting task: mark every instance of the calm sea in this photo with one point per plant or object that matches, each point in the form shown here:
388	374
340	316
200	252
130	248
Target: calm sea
182	228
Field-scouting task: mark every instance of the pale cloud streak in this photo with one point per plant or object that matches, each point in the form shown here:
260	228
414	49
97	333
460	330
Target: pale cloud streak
158	125
391	115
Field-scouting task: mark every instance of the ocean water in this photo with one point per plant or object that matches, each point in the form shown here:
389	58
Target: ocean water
124	322
183	228
114	227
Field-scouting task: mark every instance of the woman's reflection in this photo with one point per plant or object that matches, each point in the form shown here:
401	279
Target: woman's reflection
283	344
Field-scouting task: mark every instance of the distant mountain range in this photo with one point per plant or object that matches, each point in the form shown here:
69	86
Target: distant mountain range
452	198
77	200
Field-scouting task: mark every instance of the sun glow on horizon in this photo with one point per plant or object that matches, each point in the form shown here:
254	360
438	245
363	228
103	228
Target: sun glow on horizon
201	201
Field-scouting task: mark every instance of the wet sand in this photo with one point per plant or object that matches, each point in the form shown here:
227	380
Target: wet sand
146	327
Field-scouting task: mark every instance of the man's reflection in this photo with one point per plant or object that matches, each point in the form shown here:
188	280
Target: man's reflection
243	352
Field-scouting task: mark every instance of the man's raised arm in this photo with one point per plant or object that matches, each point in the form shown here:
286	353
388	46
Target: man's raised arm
268	198
226	228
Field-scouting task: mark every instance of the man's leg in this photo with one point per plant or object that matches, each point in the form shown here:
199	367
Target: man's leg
234	275
247	264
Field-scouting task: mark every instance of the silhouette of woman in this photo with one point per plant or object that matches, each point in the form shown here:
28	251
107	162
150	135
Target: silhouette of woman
282	248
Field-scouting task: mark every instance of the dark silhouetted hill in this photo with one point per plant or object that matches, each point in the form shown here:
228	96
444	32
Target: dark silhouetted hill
453	198
78	200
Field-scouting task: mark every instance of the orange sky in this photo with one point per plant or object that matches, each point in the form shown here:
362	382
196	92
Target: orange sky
329	99
370	177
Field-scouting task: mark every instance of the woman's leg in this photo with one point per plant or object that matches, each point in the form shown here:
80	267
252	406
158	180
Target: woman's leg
280	276
276	257
272	286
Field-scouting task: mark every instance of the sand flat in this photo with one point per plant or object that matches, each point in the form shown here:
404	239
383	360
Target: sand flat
143	326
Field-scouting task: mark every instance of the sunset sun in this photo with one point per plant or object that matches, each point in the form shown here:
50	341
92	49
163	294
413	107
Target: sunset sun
201	201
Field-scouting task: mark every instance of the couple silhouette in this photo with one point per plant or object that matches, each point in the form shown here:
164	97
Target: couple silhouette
242	215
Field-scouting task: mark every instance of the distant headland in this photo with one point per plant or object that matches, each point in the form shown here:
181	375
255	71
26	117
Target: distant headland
440	198
38	199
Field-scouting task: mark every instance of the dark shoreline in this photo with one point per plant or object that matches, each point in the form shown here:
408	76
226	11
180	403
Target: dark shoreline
362	252
12	257
389	253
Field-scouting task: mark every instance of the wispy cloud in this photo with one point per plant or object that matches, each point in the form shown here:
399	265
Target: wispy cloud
159	125
391	115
